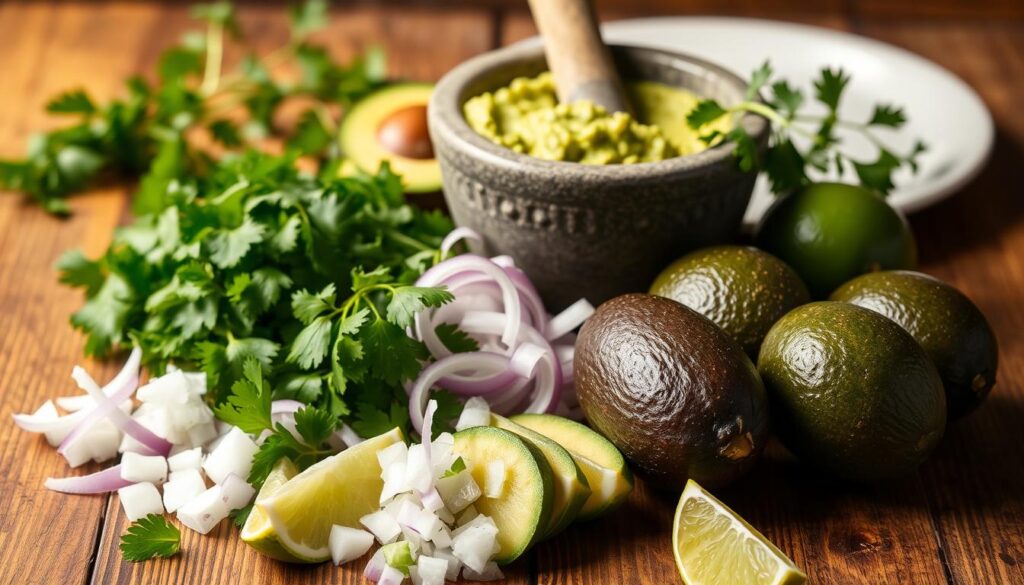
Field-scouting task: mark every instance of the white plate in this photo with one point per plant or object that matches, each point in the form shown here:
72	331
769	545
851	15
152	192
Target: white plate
942	110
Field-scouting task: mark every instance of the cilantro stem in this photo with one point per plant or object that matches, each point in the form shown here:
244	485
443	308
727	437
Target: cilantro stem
214	58
408	241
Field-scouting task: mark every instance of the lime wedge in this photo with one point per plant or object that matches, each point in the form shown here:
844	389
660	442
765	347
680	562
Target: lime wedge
713	545
258	532
338	490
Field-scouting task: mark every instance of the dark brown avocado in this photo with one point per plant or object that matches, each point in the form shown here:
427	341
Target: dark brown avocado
675	393
950	328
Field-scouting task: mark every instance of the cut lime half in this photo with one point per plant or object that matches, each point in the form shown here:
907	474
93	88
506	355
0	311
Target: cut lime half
713	545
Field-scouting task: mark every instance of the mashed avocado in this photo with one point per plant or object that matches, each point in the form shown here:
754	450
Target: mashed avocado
527	118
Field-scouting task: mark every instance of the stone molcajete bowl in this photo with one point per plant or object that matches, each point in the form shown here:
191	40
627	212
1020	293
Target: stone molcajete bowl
592	231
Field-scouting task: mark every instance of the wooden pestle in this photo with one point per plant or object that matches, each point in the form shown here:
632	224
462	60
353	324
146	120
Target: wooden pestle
578	58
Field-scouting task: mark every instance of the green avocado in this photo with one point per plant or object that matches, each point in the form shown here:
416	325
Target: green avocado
950	328
390	125
851	391
831	232
742	289
670	389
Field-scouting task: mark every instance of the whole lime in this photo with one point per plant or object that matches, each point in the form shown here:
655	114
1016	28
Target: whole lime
742	289
831	232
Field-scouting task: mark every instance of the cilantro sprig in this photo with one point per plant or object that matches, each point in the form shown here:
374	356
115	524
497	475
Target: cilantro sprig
150	537
787	164
195	111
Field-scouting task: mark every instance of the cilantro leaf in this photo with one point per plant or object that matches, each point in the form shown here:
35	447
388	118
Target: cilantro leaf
307	17
77	270
829	88
389	352
149	537
705	112
228	247
71	102
371	421
887	115
308	306
248	406
455	339
786	99
310	347
407	301
877	175
314	425
758	79
458	466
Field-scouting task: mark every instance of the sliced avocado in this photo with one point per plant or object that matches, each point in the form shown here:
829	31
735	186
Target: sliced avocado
950	328
673	391
851	391
390	125
524	509
571	487
602	464
742	289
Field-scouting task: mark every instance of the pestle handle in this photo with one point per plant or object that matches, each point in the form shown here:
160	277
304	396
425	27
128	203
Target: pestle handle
578	58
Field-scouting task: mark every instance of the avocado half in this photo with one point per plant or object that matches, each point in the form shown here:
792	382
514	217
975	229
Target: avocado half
391	125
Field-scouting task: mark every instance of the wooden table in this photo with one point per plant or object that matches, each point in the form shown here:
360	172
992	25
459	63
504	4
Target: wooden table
959	520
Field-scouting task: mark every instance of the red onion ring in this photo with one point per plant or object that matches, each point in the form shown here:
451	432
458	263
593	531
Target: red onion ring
101	482
129	371
460	362
569	319
455	236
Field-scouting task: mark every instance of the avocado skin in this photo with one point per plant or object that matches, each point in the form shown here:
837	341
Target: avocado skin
671	390
831	232
741	289
951	329
851	391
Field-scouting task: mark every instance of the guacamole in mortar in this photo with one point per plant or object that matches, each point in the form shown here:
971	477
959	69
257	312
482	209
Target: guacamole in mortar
527	118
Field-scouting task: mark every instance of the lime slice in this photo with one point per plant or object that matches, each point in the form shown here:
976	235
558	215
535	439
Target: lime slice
258	532
713	545
338	490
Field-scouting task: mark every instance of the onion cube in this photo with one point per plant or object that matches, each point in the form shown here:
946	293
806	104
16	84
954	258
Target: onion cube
474	543
390	454
445	516
424	522
458	491
232	455
495	476
48	412
98	444
490	572
135	467
467	515
391	576
348	544
171	388
182	487
394	481
204	511
236	492
418	474
188	459
202	434
430	571
383	526
476	413
432	500
454	564
442	537
140	500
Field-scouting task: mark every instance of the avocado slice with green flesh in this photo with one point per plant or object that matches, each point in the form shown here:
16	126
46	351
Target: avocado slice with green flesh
571	487
673	391
742	289
524	508
950	328
602	464
851	391
390	125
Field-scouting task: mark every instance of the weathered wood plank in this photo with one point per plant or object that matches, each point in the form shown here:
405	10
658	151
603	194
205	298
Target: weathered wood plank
975	481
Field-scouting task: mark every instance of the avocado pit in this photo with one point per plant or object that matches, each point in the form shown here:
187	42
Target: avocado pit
405	133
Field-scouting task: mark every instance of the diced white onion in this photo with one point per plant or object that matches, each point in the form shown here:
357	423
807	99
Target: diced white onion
491	572
187	459
348	544
476	413
232	455
143	468
140	500
236	492
431	570
458	491
205	511
474	542
183	486
383	526
495	476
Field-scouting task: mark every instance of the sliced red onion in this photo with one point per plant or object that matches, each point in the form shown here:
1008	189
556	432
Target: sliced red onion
101	482
460	362
375	566
504	260
530	298
42	423
525	359
469	263
569	319
105	400
107	407
457	235
285	406
130	371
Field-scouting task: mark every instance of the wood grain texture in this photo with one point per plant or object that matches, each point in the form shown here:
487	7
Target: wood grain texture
959	520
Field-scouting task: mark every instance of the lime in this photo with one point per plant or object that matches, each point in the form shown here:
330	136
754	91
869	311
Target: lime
258	532
831	232
338	490
713	545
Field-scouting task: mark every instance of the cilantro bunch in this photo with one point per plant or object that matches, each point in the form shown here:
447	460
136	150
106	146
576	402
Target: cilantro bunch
195	111
787	165
309	276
